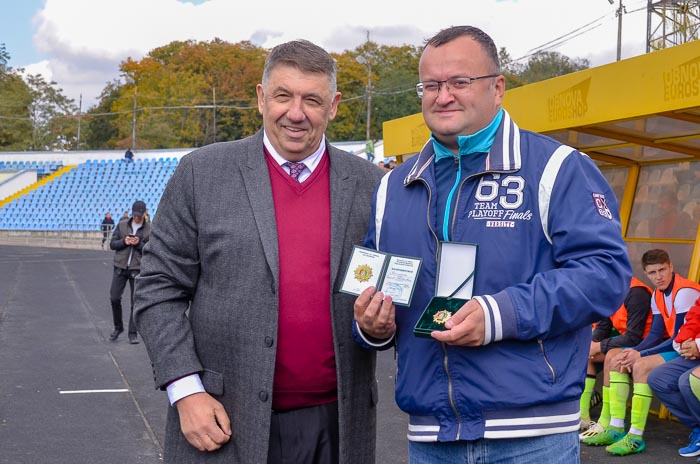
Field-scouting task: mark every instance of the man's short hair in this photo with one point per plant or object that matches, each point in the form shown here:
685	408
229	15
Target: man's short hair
476	34
655	256
304	56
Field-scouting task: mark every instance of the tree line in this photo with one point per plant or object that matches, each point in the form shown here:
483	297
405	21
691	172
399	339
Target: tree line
192	93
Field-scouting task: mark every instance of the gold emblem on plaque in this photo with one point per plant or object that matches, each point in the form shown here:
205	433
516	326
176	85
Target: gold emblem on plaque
363	273
441	316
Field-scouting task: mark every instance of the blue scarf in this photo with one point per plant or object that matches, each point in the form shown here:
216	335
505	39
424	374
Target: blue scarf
479	142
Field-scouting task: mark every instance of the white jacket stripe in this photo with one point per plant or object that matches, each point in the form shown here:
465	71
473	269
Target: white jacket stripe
379	209
549	176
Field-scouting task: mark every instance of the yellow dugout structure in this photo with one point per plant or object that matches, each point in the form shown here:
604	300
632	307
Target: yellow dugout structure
640	120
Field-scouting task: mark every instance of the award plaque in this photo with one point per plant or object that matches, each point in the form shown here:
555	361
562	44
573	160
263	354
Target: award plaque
394	275
438	311
453	286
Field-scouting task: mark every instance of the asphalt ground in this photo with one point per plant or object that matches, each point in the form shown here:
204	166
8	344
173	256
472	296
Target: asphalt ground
68	395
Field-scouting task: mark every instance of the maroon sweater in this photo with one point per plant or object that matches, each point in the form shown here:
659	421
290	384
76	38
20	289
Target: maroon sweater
305	372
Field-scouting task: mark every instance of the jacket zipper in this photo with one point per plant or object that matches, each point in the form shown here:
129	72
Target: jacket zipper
546	360
450	392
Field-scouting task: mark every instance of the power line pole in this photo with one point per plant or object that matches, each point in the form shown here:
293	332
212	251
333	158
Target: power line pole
80	112
369	93
213	91
133	121
620	10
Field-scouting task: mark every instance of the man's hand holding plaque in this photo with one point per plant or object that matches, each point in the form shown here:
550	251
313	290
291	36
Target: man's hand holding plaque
375	314
452	316
465	327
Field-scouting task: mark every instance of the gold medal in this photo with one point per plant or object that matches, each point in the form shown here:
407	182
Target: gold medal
363	273
442	316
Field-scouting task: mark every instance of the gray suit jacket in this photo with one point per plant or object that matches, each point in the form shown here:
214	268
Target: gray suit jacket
213	249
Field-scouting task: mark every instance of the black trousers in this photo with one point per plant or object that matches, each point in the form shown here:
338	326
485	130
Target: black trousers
304	436
119	280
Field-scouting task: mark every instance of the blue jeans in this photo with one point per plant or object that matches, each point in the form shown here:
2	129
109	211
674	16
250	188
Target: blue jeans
561	448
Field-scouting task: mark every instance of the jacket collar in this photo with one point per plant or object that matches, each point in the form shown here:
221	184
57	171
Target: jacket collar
504	155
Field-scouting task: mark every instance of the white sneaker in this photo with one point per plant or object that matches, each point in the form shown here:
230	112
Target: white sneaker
591	429
585	425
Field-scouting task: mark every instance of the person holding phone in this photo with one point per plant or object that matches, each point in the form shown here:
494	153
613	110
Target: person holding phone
127	241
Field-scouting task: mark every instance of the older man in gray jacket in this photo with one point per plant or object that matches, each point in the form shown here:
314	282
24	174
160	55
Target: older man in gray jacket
238	300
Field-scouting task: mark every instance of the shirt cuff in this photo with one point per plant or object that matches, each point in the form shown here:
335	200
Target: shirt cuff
373	342
183	387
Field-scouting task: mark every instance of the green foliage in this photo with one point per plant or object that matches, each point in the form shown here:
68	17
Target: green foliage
393	72
15	124
53	116
545	65
189	94
394	96
15	97
4	58
100	127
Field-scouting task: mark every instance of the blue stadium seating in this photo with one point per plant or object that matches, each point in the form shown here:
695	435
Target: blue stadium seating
79	199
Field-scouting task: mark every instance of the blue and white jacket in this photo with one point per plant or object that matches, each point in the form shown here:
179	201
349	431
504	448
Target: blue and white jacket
551	261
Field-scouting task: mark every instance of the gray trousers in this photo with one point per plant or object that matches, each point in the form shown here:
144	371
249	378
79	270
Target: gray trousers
119	280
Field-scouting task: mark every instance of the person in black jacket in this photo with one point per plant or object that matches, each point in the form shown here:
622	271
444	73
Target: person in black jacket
127	241
106	226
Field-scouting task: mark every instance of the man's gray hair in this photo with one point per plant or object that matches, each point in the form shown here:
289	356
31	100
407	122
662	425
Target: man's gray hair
304	56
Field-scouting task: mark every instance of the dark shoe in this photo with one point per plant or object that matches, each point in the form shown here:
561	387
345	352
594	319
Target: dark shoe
133	340
114	335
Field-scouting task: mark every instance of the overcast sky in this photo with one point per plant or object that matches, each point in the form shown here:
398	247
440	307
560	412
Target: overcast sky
80	43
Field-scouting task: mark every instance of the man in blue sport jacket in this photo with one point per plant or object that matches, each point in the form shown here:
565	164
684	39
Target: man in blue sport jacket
502	382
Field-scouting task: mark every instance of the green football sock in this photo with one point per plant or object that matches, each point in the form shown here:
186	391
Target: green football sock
695	385
641	402
586	397
619	391
604	418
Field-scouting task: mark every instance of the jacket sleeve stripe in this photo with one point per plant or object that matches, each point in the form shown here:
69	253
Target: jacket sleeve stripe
380	204
497	322
488	321
493	325
549	177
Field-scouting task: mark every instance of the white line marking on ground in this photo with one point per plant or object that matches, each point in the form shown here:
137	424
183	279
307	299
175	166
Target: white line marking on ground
108	390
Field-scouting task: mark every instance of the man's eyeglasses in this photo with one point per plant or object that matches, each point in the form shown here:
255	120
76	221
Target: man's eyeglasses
454	85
